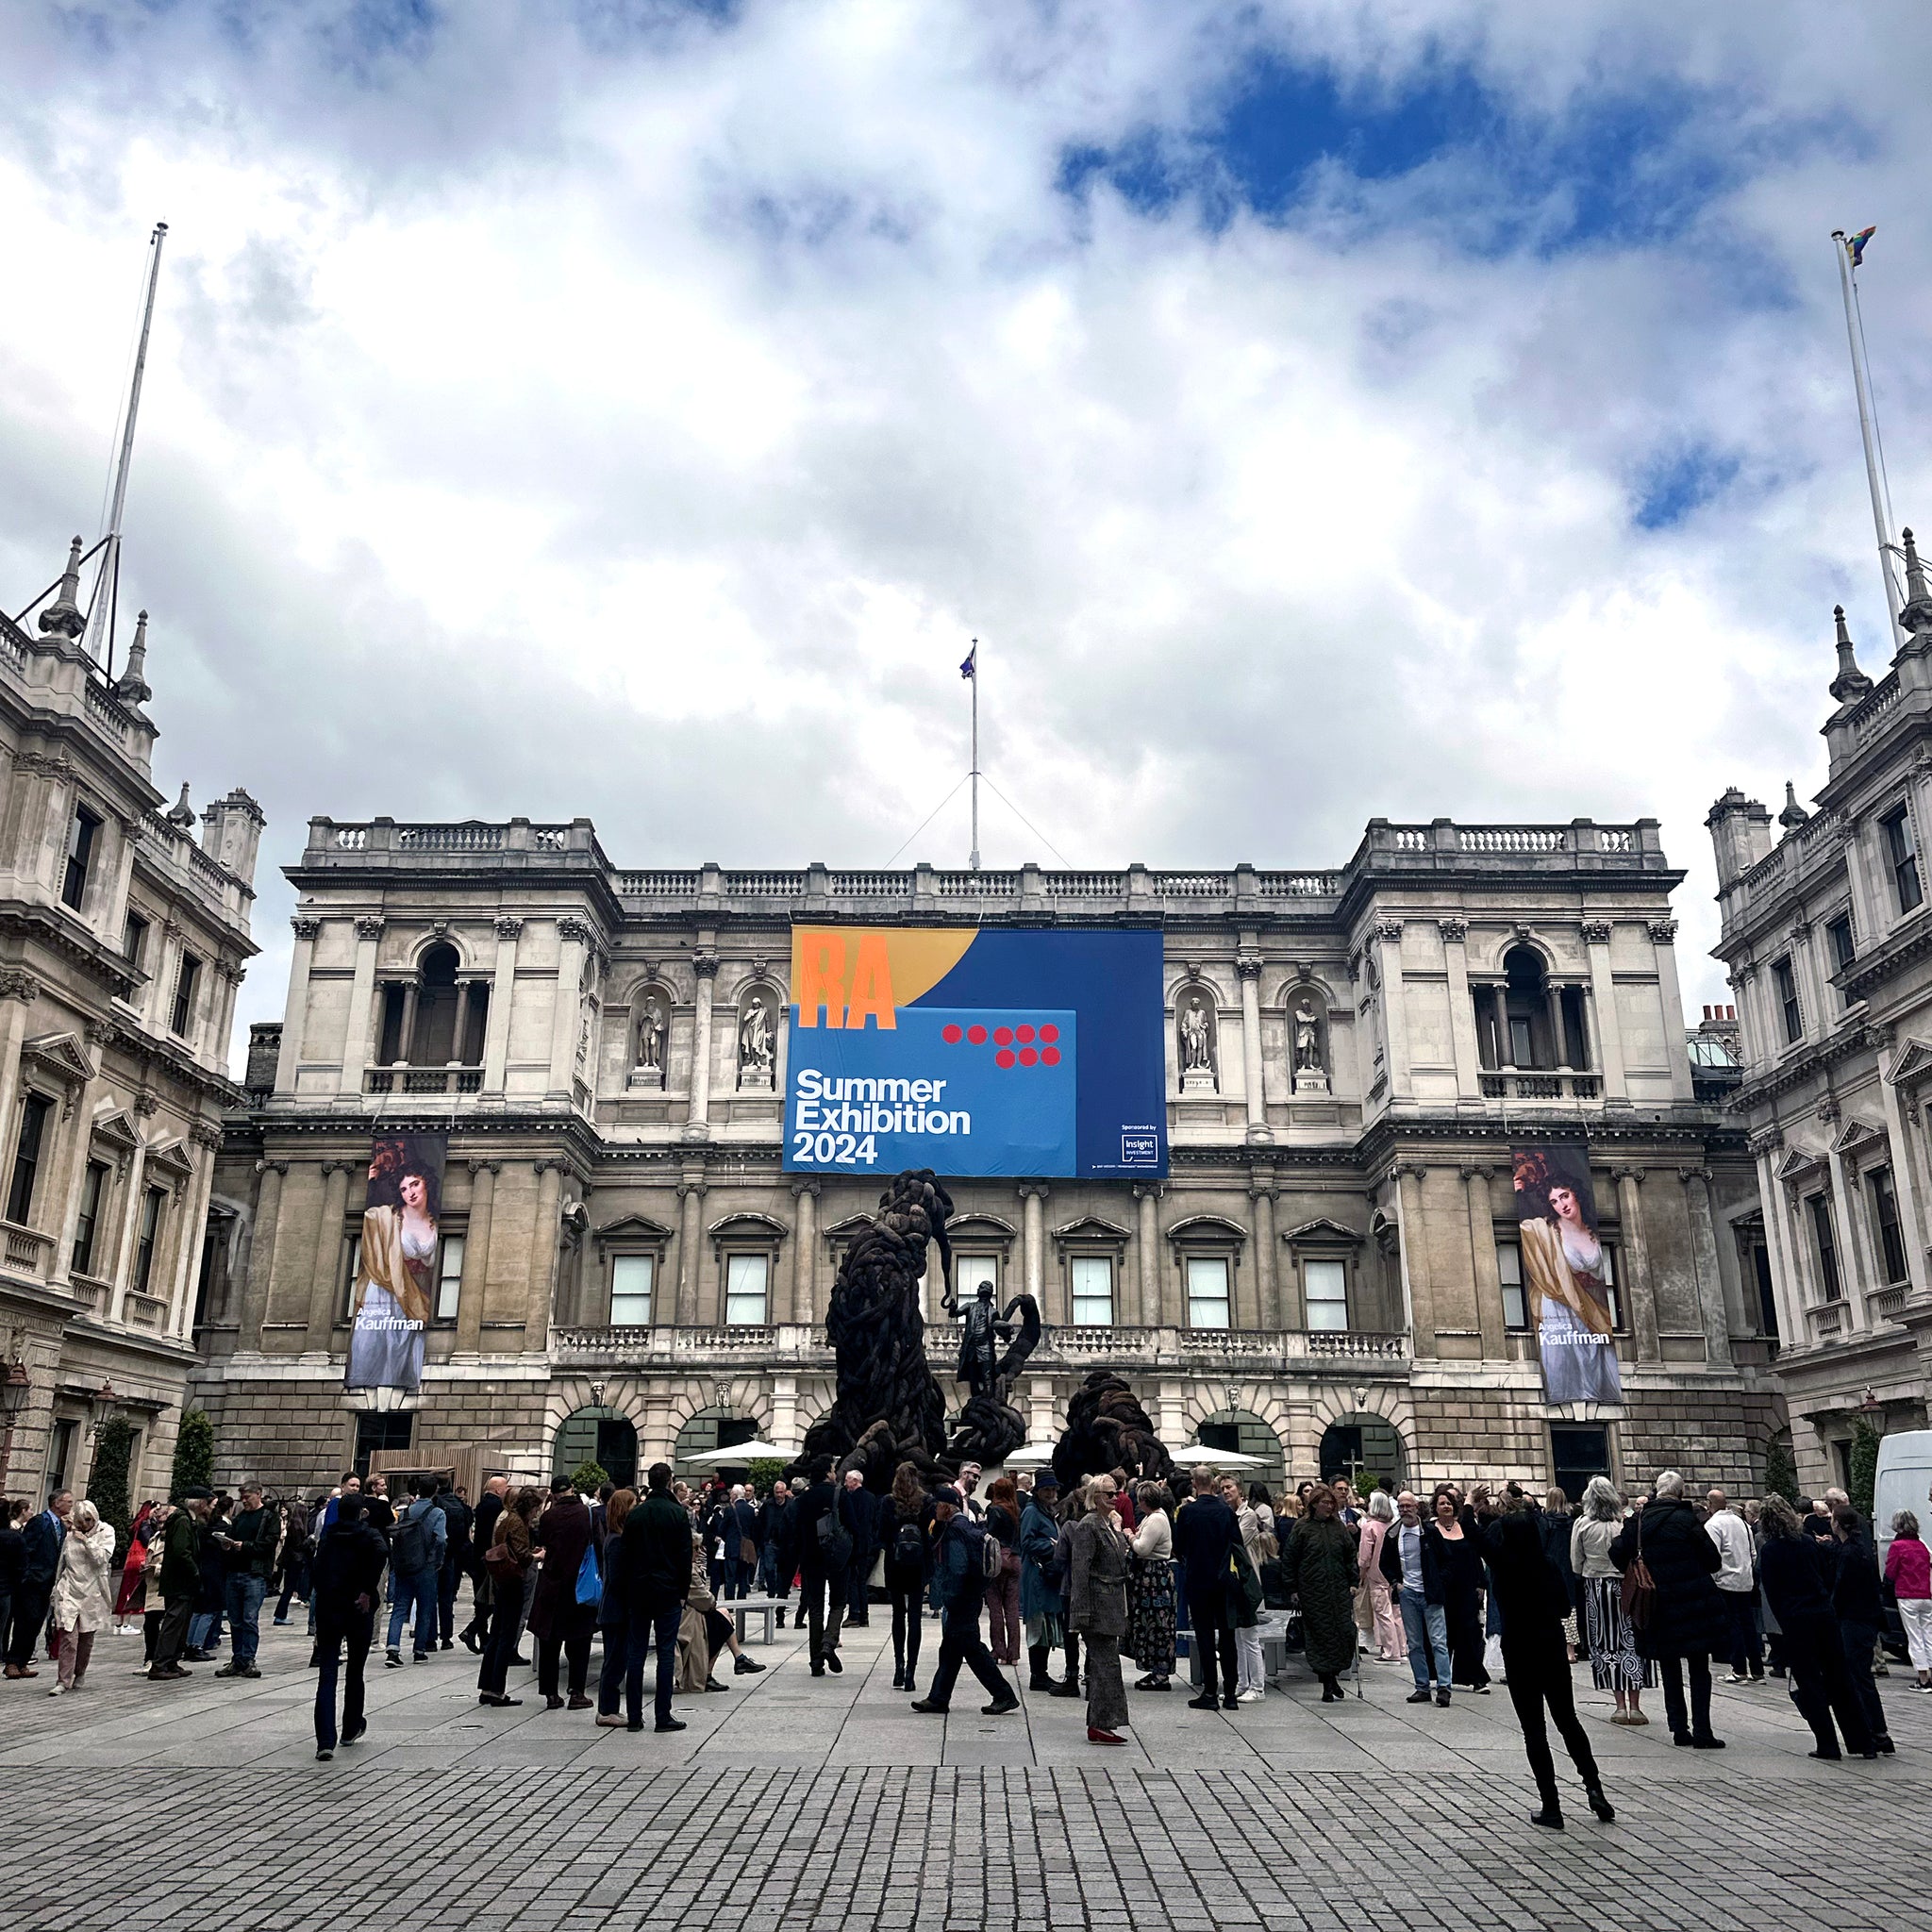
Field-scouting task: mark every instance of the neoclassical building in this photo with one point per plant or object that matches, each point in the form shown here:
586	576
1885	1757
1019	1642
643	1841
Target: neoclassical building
1829	944
123	938
1329	1277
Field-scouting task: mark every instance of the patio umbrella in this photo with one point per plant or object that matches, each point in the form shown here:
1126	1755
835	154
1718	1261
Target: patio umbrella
1193	1456
740	1453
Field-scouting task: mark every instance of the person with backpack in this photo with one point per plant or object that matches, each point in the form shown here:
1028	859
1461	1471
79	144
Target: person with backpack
416	1556
457	1559
964	1561
1042	1581
825	1563
907	1517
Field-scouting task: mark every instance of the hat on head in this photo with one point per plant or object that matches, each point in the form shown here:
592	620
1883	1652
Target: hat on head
947	1493
1046	1480
197	1492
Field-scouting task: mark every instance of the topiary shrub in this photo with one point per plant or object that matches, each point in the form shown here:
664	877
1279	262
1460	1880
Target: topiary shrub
1863	1463
107	1483
589	1477
195	1453
1781	1470
765	1470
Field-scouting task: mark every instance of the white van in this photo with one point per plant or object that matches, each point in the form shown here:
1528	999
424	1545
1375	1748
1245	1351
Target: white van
1905	1475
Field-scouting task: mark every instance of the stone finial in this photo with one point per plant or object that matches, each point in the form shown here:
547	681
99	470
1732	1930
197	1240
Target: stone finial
183	813
1851	684
63	618
132	687
1794	814
1917	614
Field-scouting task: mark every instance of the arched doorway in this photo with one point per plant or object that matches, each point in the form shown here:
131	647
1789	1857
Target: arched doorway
602	1435
716	1428
1364	1448
1243	1432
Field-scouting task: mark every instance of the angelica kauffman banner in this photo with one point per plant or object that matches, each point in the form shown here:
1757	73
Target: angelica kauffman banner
1566	1274
395	1262
975	1052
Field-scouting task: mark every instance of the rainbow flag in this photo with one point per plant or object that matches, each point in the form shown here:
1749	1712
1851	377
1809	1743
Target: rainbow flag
1854	247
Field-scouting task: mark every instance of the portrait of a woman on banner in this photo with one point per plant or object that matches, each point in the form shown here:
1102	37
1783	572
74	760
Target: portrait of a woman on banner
395	1272
1565	1277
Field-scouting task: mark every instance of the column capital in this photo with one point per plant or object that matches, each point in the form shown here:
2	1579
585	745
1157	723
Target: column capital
1149	1190
1454	931
371	926
1034	1190
1476	1171
205	1133
267	1167
330	1167
1387	932
508	926
801	1188
1248	965
1687	1175
577	929
1662	931
1596	932
1633	1174
306	927
698	1188
483	1166
704	965
17	985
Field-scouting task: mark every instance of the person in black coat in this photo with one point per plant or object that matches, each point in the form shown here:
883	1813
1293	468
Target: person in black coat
1533	1597
482	1533
1205	1529
778	1541
860	1510
1798	1575
345	1581
457	1559
653	1556
823	1565
1688	1619
41	1538
1553	1523
1860	1607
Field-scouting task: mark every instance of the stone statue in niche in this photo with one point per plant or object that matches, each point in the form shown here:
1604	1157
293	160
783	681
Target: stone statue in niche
1310	1074
654	1027
757	1044
1194	1027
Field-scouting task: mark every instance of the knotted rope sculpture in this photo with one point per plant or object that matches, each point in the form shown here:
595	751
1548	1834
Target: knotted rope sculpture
1108	1429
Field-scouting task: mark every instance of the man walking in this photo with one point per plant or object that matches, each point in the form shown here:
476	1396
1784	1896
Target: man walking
248	1546
1414	1575
1204	1534
456	1517
180	1583
775	1541
1737	1583
740	1543
959	1582
416	1554
482	1533
347	1583
655	1550
42	1535
862	1514
824	1546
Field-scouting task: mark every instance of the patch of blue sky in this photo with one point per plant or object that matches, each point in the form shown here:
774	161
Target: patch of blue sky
1675	484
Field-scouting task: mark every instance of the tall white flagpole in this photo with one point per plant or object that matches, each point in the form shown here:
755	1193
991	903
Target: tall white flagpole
973	681
111	560
1861	383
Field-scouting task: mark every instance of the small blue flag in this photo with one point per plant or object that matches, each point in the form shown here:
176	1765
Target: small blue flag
966	670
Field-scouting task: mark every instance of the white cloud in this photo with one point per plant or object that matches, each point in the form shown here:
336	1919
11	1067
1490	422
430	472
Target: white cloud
637	423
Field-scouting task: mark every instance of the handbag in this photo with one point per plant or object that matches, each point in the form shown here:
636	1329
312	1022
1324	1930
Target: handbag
589	1585
747	1550
501	1562
1640	1586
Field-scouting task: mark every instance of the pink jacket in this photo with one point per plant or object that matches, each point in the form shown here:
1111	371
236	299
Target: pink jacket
1369	1549
1908	1568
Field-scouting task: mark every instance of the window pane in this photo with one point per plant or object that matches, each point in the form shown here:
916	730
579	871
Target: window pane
1509	1268
744	1290
1326	1284
969	1270
352	1266
630	1289
1611	1288
1093	1281
26	1157
1207	1291
449	1281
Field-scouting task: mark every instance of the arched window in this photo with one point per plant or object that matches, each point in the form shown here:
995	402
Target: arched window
433	1019
1527	1023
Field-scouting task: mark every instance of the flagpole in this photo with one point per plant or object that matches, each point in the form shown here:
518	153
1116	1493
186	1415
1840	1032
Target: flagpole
1861	384
973	681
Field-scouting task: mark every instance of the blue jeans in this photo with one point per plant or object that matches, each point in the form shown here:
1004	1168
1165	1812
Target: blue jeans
201	1628
658	1627
1426	1627
244	1608
415	1588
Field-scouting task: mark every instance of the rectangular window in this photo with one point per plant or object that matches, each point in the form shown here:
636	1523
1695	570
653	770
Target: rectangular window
1819	1207
94	1185
1521	1043
1785	982
134	941
1577	1452
352	1266
34	1110
1843	947
1891	1244
745	1277
1091	1277
1902	858
380	1430
1207	1291
185	982
1509	1267
1324	1284
1611	1290
969	1270
631	1280
150	1238
449	1277
80	852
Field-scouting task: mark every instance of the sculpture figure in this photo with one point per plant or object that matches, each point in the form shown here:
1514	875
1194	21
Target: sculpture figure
755	1045
1196	1052
651	1037
1108	1429
989	1428
1308	1039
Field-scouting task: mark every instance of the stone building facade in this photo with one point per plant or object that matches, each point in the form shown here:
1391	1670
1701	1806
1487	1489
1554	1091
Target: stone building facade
1328	1278
1828	939
123	938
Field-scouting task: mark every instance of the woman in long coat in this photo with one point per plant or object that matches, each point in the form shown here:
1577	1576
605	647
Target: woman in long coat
1687	1620
83	1596
1319	1566
1097	1608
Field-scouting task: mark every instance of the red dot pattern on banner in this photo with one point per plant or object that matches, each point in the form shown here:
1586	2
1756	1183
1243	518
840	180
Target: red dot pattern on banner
1018	1046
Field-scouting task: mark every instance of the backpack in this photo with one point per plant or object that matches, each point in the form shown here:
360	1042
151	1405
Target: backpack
992	1557
412	1549
909	1546
835	1539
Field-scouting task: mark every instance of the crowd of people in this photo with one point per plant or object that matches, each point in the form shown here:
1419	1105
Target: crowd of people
1464	1588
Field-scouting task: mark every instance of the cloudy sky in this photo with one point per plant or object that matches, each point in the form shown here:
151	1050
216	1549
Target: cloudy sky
632	408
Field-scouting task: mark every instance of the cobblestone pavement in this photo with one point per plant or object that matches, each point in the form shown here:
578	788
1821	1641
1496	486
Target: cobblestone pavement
821	1804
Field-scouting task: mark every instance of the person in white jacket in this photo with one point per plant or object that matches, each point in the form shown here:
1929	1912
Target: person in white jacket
1737	1582
83	1599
